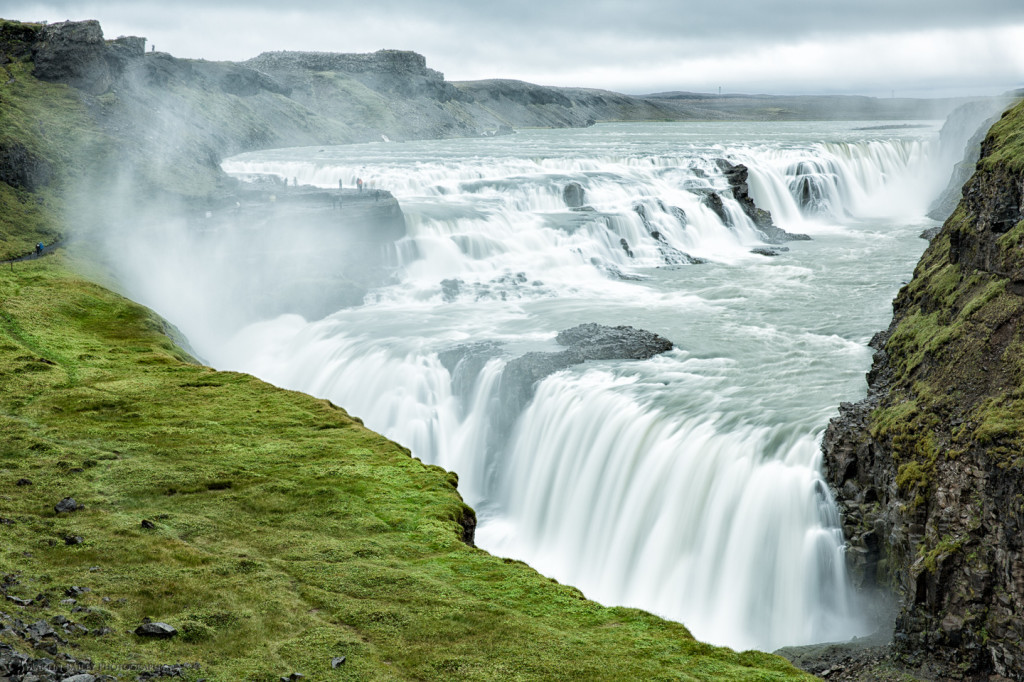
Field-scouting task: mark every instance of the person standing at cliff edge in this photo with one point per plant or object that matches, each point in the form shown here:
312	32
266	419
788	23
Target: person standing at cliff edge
359	184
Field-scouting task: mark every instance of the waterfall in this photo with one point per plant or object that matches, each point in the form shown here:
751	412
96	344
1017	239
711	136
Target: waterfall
689	484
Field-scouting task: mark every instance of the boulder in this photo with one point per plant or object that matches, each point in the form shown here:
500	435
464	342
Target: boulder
584	342
158	630
599	342
68	504
574	195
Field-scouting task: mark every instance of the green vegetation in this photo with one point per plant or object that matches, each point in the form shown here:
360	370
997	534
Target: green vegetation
1006	142
280	533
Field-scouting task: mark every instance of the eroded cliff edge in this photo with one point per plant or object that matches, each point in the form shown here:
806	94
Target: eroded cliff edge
929	468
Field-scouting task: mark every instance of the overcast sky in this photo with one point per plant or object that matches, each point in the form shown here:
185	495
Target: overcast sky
874	47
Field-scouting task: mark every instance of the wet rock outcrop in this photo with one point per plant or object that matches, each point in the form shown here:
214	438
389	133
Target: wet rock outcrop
574	195
75	53
520	376
736	175
22	169
928	469
583	342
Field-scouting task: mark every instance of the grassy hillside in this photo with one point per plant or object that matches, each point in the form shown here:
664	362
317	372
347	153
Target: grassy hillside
271	529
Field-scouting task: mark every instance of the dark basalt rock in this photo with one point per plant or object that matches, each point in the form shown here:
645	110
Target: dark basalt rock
714	201
465	362
762	219
20	168
574	195
625	247
75	53
158	630
930	501
599	342
979	116
584	342
68	504
669	254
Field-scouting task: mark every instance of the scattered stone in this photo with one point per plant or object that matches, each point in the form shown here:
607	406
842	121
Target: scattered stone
159	630
73	540
147	524
75	590
337	661
22	482
68	504
40	629
450	289
6	522
84	677
18	601
625	247
69	602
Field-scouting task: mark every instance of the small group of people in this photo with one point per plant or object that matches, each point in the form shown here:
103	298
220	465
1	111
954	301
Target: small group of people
359	184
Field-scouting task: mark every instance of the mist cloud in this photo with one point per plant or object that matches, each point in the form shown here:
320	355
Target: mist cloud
916	47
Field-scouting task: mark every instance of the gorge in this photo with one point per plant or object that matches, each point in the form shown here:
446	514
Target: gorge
508	240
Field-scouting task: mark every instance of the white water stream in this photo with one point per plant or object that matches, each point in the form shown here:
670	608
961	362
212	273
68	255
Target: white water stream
688	484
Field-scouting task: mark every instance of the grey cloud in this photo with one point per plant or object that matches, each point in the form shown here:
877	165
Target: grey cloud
628	46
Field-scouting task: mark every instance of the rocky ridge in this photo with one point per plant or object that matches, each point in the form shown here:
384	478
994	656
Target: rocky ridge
927	469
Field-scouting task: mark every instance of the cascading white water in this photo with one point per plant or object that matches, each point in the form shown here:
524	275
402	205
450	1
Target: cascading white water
688	484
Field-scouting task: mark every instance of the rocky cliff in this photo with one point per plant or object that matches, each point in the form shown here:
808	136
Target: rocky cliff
929	468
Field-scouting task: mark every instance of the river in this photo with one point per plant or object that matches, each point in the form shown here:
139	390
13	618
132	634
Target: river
688	484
